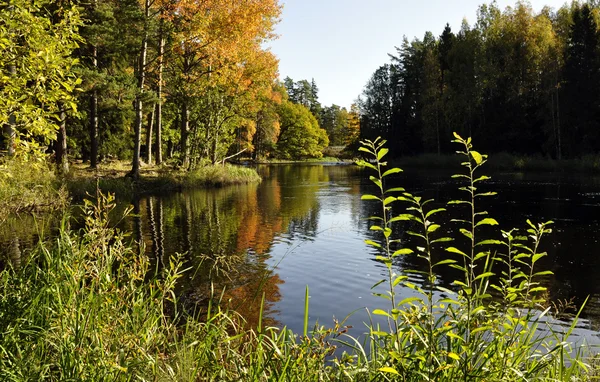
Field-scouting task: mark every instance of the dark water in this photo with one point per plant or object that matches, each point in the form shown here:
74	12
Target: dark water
305	225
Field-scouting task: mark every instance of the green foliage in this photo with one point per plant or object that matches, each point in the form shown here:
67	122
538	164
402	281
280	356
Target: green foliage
37	82
301	136
491	324
29	187
219	175
516	80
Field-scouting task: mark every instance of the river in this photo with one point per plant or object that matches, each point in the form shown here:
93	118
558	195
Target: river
305	225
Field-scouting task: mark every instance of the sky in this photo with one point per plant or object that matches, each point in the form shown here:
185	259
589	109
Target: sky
340	43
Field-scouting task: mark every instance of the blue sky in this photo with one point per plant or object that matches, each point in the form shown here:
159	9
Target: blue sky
340	43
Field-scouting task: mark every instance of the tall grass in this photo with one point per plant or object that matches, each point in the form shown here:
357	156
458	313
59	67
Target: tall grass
89	307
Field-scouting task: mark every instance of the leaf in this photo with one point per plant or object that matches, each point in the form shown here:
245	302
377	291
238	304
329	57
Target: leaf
486	221
458	202
396	189
442	240
382	153
409	300
484	275
372	243
447	261
391	171
456	250
538	256
434	212
433	228
477	157
454	356
390	370
362	163
403	251
366	150
490	242
376	181
487	194
380	312
457	136
466	233
370	197
388	200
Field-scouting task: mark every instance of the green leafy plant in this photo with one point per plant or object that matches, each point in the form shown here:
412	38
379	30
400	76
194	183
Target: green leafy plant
490	324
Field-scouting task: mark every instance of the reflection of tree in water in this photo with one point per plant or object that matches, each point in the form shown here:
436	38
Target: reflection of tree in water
226	235
20	233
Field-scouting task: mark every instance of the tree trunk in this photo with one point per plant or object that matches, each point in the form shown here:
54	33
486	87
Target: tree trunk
62	160
185	121
10	127
161	52
94	111
135	168
149	138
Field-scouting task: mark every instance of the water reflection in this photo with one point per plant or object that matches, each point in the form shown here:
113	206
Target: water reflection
306	225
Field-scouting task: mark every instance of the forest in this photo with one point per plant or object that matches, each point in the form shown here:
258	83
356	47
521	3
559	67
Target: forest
153	81
516	81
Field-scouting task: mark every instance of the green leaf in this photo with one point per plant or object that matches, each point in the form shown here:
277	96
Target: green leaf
447	261
380	312
390	370
454	356
433	228
487	194
490	242
538	256
403	251
409	300
382	153
457	136
388	200
391	171
477	157
376	181
396	189
466	233
486	221
362	163
372	243
484	275
366	150
455	250
434	212
442	240
370	197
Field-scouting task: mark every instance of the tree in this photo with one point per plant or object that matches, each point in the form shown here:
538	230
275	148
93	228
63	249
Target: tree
37	82
301	136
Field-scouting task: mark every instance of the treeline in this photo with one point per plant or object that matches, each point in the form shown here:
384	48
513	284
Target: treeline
342	126
516	81
146	81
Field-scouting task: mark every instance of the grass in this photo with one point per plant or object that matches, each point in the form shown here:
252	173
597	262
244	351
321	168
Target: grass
29	187
112	177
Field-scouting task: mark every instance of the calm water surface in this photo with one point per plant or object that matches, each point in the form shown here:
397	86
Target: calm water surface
305	225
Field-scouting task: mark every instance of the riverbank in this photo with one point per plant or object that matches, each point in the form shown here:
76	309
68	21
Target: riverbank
112	177
34	186
507	162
